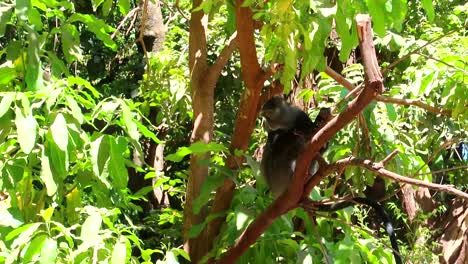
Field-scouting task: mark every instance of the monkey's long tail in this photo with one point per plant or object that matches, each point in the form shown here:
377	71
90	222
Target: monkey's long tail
380	211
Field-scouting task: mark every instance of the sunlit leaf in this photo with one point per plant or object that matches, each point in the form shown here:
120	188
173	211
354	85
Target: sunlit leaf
26	128
60	132
6	102
119	253
49	251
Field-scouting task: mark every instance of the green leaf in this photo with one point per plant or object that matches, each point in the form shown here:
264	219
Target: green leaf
376	10
209	185
26	128
75	80
47	213
429	8
117	170
60	132
33	76
5	16
124	6
146	132
119	253
25	235
195	230
22	9
35	19
392	115
90	228
47	176
132	128
58	158
179	155
6	102
75	109
71	43
96	4
10	217
34	248
100	157
49	251
98	27
7	73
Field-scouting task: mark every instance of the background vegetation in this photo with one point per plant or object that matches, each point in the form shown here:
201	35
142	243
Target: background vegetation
104	139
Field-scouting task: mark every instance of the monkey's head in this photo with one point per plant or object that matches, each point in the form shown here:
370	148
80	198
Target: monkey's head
278	114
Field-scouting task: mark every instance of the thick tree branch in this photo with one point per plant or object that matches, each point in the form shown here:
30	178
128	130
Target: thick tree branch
254	78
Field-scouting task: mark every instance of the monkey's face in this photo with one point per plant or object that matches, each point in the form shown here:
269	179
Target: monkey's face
273	112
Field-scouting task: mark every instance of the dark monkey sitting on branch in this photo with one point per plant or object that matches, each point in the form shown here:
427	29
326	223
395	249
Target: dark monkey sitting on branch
289	129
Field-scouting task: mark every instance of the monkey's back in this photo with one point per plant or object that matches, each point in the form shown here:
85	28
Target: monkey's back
279	159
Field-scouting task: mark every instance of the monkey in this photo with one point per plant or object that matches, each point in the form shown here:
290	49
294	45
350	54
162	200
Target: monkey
289	129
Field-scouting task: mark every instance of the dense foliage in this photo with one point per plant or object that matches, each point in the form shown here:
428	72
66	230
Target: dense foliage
80	100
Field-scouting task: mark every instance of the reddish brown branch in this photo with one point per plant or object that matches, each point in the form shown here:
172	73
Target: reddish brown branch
215	70
380	170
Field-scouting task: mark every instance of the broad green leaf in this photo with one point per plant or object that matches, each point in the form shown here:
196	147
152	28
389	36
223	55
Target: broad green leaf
49	251
124	6
20	230
10	218
60	132
98	26
376	10
179	155
75	109
58	158
5	16
47	213
47	176
195	230
201	147
35	19
22	9
117	170
71	43
146	132
96	4
75	80
26	128
25	235
210	184
392	115
119	253
181	252
132	128
34	71
58	67
6	102
90	228
100	157
34	247
7	73
429	8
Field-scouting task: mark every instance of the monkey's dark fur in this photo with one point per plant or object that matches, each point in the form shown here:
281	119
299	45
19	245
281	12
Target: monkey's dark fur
289	129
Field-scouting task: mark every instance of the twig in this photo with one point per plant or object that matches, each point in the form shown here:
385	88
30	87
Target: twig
341	80
389	157
393	64
443	62
121	24
444	170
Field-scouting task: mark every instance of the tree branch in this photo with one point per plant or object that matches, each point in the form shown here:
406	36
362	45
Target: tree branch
215	70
